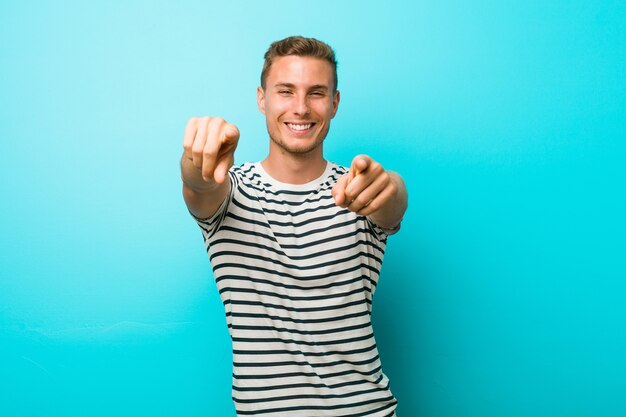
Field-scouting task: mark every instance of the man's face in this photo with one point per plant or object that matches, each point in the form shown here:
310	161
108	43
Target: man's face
298	103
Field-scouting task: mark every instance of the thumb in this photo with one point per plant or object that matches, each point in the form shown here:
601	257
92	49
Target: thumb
221	171
339	189
231	132
359	164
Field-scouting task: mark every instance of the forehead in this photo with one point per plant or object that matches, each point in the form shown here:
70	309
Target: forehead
300	70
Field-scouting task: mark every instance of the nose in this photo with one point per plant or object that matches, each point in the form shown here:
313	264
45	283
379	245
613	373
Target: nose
301	105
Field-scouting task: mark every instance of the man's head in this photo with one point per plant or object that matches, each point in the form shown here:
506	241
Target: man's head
299	46
299	95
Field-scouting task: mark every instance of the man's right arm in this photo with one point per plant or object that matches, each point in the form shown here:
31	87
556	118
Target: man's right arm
208	153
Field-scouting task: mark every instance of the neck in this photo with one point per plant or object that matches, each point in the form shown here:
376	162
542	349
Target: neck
294	168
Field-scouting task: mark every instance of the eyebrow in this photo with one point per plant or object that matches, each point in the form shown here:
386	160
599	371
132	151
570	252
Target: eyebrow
290	85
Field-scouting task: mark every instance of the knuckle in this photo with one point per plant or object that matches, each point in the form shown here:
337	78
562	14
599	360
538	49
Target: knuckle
203	121
217	121
196	151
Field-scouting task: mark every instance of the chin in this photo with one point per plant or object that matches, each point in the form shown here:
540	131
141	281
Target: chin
297	148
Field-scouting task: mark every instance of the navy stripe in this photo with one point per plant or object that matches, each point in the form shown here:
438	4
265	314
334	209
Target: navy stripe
314	365
292	320
304	396
306	385
291	297
301	342
309	256
233	254
286	275
280	202
287	212
307	374
355	232
296	287
292	235
321	407
304	332
298	352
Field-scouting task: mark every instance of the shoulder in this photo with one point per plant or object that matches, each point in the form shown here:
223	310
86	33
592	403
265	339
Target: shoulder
249	176
336	168
335	171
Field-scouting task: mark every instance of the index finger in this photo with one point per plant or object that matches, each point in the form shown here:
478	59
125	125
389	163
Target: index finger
224	141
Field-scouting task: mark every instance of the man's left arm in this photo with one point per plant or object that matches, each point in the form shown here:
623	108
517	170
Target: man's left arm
369	190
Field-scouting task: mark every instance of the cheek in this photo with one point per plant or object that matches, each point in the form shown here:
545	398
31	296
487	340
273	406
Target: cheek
323	108
276	106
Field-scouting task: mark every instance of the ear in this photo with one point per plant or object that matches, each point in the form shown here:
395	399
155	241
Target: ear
260	99
336	98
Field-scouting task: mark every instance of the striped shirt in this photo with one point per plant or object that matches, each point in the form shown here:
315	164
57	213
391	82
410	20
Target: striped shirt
296	274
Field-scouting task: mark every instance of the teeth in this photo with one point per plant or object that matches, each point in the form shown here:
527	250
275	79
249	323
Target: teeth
299	127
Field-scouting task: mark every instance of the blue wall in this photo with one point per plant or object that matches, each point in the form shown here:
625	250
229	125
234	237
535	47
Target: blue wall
503	295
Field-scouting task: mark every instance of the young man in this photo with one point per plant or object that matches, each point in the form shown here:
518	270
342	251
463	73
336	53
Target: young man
296	244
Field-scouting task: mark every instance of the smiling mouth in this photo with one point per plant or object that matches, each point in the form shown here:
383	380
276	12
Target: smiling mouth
300	127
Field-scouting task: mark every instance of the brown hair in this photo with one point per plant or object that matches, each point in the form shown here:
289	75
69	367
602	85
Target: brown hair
299	46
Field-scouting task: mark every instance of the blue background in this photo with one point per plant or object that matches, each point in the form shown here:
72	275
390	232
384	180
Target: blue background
504	293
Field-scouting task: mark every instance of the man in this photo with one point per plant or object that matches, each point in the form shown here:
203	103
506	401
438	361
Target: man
296	244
